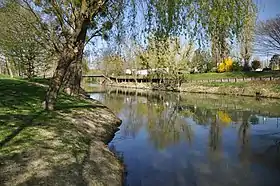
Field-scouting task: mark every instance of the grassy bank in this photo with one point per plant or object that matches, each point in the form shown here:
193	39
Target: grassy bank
62	147
226	75
268	89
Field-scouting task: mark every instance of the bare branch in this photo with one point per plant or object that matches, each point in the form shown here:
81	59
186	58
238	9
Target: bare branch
268	35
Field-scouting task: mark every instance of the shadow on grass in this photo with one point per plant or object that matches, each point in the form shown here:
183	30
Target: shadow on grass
51	148
20	94
57	176
21	108
44	81
21	105
20	122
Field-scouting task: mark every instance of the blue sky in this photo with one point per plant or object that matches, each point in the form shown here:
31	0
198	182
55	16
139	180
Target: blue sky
268	8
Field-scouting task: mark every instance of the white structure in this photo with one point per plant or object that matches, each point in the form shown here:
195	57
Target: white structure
145	72
142	72
137	72
128	72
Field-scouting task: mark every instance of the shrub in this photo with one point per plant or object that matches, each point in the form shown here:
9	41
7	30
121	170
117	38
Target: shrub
209	67
236	66
226	65
221	67
256	64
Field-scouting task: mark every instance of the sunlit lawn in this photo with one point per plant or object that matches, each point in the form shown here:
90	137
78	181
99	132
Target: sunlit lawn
22	117
202	76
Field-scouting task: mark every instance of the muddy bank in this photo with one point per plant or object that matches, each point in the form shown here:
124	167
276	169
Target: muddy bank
263	89
63	147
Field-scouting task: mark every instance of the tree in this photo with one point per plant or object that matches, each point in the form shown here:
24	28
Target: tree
275	62
21	49
256	64
112	64
268	35
201	61
247	36
5	67
222	21
166	59
70	24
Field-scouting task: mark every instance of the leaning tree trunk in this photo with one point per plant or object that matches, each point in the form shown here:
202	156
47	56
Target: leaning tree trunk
64	62
70	55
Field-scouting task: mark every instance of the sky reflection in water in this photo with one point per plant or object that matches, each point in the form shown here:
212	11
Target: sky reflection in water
194	139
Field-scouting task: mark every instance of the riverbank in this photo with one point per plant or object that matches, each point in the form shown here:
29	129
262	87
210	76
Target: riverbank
63	147
265	89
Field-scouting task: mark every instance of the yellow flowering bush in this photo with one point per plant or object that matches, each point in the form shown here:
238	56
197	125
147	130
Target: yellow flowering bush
226	65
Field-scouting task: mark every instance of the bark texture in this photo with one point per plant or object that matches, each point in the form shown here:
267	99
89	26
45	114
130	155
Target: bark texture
69	64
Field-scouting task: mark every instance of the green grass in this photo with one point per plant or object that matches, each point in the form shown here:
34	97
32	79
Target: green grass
4	76
23	119
53	147
205	76
40	80
226	84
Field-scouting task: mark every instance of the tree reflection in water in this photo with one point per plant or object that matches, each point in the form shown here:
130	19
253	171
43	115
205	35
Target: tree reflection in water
165	124
215	138
167	119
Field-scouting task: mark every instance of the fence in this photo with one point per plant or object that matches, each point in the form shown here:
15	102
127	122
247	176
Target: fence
146	80
234	79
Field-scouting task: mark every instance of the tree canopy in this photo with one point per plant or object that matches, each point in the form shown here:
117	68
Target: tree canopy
64	27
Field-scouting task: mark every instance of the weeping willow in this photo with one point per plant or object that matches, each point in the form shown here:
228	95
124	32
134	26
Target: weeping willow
68	25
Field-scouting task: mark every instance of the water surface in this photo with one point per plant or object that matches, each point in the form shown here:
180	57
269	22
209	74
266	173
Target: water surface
194	139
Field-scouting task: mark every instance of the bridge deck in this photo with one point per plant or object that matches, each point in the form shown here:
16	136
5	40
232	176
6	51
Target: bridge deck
96	75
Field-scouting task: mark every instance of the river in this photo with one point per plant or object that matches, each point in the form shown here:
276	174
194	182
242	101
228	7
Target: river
180	139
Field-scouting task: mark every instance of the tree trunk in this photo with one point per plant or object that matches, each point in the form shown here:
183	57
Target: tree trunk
246	65
0	66
73	78
246	57
9	69
72	53
63	64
